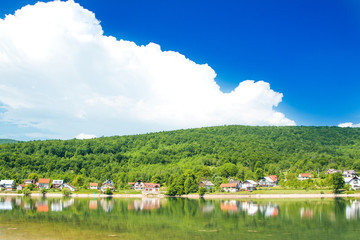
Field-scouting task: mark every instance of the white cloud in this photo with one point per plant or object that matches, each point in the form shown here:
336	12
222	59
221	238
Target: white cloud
85	136
349	124
59	73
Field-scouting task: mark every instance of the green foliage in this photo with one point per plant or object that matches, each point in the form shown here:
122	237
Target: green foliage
44	190
26	192
108	191
210	153
66	192
202	191
337	181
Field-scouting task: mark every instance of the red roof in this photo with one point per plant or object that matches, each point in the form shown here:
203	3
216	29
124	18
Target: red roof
273	177
94	184
131	183
228	185
44	180
305	174
151	185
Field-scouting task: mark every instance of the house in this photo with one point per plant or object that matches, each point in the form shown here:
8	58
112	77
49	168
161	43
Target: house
249	185
304	176
111	183
68	186
269	181
151	187
331	171
349	173
232	186
8	184
29	181
139	185
57	183
20	187
94	186
206	184
105	186
354	182
44	183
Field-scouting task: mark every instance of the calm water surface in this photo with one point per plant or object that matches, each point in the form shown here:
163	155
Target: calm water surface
148	218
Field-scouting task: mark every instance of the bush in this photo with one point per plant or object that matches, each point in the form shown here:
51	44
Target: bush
66	192
202	191
19	191
321	192
44	191
108	191
26	192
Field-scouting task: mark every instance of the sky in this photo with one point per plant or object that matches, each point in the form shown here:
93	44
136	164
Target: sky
91	68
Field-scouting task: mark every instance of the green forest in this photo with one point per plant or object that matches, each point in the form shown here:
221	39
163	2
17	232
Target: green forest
211	153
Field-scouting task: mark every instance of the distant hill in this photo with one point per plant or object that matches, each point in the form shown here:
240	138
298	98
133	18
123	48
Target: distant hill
7	141
214	152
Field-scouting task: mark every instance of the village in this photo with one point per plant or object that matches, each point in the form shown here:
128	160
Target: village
350	178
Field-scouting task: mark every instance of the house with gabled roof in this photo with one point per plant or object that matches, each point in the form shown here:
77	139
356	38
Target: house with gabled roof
68	186
44	183
151	187
57	183
249	185
269	181
206	184
105	186
354	182
139	185
29	181
8	184
304	176
94	186
232	186
349	173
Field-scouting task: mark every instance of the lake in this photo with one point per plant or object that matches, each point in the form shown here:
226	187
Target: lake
177	218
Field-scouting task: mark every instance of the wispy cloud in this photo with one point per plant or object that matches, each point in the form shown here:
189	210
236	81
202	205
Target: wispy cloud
349	124
60	73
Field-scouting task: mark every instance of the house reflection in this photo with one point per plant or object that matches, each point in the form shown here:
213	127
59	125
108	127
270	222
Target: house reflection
42	205
144	204
6	204
93	204
353	210
207	207
107	204
229	206
68	203
56	206
306	213
251	208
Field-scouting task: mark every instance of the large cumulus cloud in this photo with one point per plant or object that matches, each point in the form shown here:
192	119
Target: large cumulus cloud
60	74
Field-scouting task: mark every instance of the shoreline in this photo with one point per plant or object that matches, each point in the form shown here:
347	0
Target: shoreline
193	196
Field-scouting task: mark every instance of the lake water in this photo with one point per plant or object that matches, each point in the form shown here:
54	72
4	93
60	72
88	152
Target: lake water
174	218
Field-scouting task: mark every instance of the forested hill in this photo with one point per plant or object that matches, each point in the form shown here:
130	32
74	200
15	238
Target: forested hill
215	152
2	141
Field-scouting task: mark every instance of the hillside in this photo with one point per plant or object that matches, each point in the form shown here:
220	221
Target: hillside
214	152
2	141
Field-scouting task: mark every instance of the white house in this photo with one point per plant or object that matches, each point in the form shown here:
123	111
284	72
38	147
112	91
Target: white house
8	184
68	186
151	187
139	185
44	183
232	186
20	187
249	185
304	176
57	183
269	181
349	173
94	186
354	182
105	186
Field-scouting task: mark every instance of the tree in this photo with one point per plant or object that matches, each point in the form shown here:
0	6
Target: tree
66	192
108	191
202	191
337	181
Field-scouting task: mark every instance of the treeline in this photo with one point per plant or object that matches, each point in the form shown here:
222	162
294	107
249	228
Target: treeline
213	153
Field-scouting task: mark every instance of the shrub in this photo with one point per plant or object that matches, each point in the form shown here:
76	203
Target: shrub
108	191
26	192
44	191
321	192
19	191
202	191
66	192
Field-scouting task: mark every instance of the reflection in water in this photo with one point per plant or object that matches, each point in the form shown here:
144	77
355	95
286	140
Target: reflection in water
56	206
42	205
306	213
93	204
6	204
353	210
250	207
144	204
107	204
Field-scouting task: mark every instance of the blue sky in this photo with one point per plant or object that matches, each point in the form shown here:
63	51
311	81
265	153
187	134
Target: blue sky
307	50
